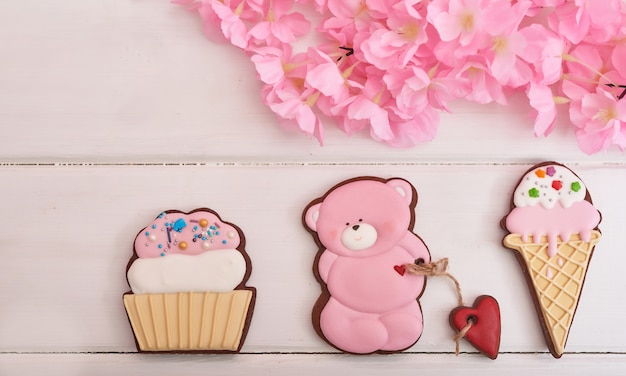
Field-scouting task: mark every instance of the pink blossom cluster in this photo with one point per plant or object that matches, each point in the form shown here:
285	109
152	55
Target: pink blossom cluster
391	66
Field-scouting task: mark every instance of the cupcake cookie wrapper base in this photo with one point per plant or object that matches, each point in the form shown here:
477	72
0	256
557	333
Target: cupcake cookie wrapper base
189	321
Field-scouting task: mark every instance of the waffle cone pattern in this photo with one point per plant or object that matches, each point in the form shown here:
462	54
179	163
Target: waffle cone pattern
557	281
190	321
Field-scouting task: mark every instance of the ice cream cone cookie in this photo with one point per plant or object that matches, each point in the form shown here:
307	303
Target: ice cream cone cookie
187	277
553	228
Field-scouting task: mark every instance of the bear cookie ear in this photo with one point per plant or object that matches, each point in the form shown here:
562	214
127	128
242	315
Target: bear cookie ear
405	189
311	215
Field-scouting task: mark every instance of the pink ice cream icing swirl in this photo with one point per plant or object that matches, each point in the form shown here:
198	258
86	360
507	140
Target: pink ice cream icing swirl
558	222
189	234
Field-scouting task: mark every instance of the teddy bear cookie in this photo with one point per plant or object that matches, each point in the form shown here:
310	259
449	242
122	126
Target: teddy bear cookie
553	229
187	277
363	228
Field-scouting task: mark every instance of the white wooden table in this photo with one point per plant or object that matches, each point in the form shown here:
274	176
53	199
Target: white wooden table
113	111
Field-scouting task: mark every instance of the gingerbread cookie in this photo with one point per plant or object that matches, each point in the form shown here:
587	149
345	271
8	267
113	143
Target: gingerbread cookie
553	228
187	277
363	228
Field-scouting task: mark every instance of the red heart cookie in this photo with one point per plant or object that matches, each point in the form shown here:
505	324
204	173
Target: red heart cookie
484	334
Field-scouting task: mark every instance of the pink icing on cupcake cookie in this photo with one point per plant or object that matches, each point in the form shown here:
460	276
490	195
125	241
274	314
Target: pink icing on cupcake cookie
189	234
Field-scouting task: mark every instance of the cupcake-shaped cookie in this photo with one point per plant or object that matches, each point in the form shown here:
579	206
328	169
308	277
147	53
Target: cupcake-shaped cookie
187	277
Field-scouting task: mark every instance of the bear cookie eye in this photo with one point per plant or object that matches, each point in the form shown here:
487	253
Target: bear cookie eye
348	223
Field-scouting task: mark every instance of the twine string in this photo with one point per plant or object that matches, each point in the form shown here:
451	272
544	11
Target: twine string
440	268
457	337
437	268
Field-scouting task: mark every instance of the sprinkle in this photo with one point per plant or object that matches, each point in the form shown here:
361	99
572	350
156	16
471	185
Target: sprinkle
179	225
204	238
195	228
147	233
160	246
217	225
169	239
551	171
162	254
204	222
576	186
557	185
540	173
217	232
182	245
154	226
223	241
533	192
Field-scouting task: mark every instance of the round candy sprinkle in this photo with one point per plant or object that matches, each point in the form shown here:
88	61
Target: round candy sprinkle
182	245
206	245
152	238
223	241
203	222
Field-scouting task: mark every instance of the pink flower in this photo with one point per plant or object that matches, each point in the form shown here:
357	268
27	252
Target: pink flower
277	26
232	25
367	108
601	120
544	50
459	19
483	87
501	22
396	46
323	74
420	128
290	104
542	100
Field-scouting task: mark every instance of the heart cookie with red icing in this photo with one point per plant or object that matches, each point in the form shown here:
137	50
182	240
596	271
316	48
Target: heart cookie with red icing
484	324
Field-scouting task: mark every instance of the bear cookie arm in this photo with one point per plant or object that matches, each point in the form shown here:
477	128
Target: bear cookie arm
363	229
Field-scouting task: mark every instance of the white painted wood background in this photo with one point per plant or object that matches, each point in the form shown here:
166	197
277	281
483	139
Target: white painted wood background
111	111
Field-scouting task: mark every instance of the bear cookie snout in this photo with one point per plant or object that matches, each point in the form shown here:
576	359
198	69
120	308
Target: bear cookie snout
359	236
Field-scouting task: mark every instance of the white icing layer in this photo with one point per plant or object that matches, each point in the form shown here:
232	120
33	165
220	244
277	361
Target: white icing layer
548	185
216	271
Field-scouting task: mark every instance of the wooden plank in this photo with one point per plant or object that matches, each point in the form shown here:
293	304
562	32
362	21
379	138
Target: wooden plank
71	228
309	364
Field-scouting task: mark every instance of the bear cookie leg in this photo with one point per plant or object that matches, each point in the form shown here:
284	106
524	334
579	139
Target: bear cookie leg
404	327
352	331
